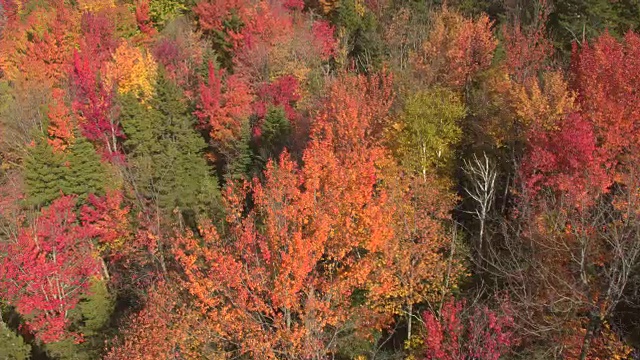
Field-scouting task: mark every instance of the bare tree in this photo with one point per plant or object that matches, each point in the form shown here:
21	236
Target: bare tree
482	176
564	265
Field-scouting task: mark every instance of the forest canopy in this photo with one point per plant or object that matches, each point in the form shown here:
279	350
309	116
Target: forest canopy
319	179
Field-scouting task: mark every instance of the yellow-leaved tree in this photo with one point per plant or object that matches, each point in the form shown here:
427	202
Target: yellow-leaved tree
429	130
132	71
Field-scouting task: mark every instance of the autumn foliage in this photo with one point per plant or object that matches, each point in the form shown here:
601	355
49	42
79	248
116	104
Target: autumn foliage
49	265
456	49
481	333
344	179
606	79
60	122
223	106
93	103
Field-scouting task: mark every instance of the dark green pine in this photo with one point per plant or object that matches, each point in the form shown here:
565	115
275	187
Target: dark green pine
166	153
276	129
12	345
240	163
86	173
45	174
578	20
48	174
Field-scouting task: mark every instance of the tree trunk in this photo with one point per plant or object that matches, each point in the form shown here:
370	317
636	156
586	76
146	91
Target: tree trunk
287	314
588	336
105	270
409	321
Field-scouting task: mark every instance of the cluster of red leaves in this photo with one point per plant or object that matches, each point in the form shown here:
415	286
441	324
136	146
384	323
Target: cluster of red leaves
595	144
527	49
293	5
608	84
460	332
565	159
211	14
53	50
606	345
323	33
130	253
98	41
281	92
93	104
144	19
9	8
176	59
92	99
373	95
39	46
155	331
225	103
169	54
270	30
47	268
106	219
265	24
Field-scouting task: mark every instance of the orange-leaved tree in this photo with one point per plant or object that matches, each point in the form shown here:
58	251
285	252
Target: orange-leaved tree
61	125
455	50
306	255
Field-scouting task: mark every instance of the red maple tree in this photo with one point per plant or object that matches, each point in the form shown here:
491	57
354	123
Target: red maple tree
93	104
47	268
60	123
461	333
607	80
225	103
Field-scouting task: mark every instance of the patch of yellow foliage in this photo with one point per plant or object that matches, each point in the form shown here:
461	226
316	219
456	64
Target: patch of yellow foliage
328	6
414	346
360	7
615	349
132	71
95	5
547	101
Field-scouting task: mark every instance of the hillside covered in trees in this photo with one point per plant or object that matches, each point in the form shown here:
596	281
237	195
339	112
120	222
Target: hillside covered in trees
319	179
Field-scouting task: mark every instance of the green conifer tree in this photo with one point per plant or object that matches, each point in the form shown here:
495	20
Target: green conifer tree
582	20
275	130
45	174
86	173
165	152
77	171
12	345
240	164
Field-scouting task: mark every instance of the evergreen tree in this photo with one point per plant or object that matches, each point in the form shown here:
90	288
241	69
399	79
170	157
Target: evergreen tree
249	156
45	174
582	20
75	172
240	165
87	174
165	152
12	346
362	36
275	131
